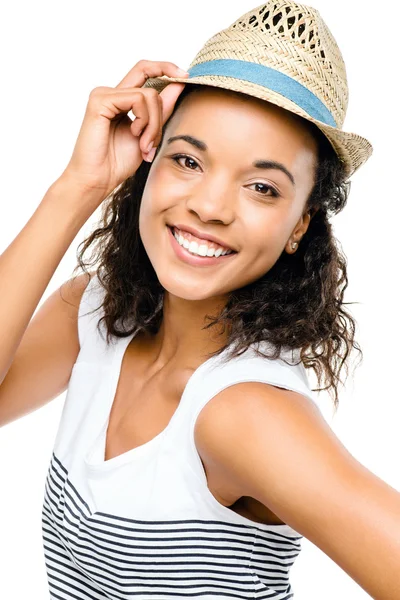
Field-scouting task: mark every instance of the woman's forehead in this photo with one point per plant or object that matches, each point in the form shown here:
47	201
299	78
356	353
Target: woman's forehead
215	111
232	127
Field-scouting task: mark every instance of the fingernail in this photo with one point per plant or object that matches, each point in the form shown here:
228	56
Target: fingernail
150	155
183	72
149	147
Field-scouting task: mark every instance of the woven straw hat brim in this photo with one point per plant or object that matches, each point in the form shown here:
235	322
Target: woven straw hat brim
352	149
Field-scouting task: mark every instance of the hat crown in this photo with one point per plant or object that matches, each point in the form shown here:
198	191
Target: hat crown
290	38
284	53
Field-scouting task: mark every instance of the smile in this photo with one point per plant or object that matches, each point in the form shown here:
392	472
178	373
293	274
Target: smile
200	247
198	254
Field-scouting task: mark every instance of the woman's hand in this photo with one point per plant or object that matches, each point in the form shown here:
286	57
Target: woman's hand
110	146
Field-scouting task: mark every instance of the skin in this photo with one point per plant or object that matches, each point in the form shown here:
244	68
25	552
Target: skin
215	192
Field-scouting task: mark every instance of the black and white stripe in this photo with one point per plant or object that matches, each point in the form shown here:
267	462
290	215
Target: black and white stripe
97	556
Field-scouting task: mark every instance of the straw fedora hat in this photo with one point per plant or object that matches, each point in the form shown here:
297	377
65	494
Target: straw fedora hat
282	52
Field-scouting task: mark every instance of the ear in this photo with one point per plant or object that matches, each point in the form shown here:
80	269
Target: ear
301	227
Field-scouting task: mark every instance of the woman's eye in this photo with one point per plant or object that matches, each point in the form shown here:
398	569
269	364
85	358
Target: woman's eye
189	163
266	188
187	159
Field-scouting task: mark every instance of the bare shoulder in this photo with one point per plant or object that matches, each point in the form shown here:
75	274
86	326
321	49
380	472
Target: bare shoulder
72	290
252	407
44	359
266	438
250	420
275	446
60	311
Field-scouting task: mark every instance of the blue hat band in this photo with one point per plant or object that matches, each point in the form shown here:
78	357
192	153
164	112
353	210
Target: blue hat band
270	79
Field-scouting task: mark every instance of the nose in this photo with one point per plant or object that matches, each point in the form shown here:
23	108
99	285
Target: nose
212	201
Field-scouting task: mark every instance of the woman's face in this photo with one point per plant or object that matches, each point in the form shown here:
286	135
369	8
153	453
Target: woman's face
219	191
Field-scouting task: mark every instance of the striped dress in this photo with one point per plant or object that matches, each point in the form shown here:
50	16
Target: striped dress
144	525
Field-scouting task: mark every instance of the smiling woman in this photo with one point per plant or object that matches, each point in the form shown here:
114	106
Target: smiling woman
230	172
191	456
263	182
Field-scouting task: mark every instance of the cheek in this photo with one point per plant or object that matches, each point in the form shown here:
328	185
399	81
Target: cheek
267	232
147	212
154	203
161	194
144	217
153	213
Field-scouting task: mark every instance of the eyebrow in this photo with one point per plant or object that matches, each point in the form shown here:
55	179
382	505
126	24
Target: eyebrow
258	164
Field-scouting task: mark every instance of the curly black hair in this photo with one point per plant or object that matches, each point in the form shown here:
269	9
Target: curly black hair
296	305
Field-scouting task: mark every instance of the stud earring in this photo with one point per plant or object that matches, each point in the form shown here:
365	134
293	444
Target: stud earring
294	245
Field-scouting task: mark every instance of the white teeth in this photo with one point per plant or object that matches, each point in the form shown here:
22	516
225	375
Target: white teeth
193	247
199	249
203	248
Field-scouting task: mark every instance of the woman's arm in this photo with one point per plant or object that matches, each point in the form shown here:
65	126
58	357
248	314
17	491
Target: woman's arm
108	151
29	262
276	447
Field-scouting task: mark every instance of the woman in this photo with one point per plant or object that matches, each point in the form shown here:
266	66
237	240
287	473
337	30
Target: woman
191	457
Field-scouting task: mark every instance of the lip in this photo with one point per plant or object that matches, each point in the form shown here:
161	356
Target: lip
202	236
196	261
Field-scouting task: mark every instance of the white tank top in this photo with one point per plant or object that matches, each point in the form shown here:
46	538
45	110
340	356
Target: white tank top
144	525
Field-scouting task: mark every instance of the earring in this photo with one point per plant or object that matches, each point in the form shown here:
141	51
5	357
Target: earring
294	245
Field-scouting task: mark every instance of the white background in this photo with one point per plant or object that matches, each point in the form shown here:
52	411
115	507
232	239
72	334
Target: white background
53	54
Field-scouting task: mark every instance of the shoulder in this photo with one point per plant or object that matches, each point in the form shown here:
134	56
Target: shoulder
253	411
72	290
76	302
275	446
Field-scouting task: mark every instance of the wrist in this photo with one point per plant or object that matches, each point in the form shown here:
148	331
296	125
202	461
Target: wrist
71	185
71	201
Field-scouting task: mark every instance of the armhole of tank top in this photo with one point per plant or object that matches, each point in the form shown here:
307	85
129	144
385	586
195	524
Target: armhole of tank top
298	383
255	371
86	317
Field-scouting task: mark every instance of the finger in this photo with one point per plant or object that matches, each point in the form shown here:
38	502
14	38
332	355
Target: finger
140	110
169	96
158	136
144	69
153	126
160	116
111	103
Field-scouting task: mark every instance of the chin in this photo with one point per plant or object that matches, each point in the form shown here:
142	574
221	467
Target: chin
186	291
